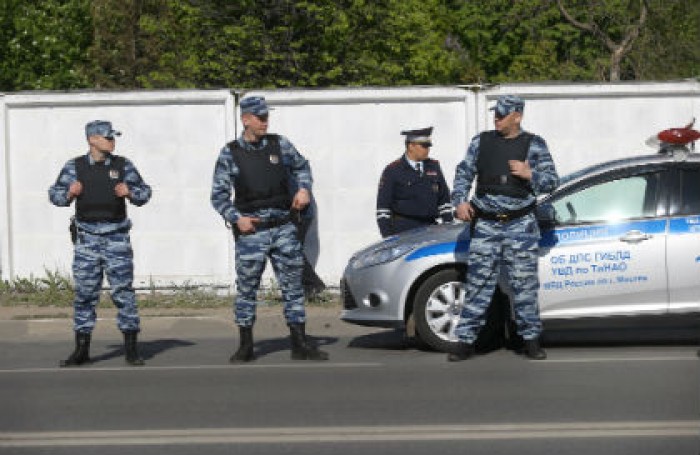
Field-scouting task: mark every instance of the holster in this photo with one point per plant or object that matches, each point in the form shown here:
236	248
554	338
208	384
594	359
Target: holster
73	228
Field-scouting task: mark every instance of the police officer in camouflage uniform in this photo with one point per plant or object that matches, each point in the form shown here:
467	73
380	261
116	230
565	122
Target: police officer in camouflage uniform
511	168
412	190
259	168
100	183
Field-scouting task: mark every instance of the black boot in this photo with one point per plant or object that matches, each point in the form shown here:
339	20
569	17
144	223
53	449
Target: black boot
463	351
301	348
532	350
81	355
131	349
245	351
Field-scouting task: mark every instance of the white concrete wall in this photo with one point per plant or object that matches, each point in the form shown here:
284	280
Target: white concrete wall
349	135
172	137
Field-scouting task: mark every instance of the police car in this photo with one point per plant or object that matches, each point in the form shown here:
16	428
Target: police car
620	243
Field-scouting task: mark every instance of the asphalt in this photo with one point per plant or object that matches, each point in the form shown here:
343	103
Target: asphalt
35	323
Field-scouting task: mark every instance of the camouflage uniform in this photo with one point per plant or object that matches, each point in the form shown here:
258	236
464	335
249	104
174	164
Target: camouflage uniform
103	247
279	243
503	247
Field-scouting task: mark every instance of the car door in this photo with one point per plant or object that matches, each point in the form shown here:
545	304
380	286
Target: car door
684	241
606	252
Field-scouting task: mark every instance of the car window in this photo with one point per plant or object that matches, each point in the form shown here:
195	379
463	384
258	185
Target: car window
690	191
620	199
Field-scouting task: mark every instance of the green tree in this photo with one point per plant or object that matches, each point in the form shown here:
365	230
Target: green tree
327	42
523	41
615	24
126	44
113	50
669	47
171	46
43	44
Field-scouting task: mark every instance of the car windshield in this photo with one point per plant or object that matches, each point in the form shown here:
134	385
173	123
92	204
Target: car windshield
595	168
577	174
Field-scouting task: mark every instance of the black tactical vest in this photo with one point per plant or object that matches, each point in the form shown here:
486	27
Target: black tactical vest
98	202
263	180
492	164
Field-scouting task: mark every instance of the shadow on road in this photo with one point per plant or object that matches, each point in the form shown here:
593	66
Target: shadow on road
147	349
272	345
395	340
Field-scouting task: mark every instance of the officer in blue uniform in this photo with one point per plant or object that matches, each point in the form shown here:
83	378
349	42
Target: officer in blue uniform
100	183
511	167
412	190
260	169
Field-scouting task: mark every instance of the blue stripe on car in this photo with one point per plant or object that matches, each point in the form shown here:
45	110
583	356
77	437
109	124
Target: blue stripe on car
687	225
600	231
438	249
551	238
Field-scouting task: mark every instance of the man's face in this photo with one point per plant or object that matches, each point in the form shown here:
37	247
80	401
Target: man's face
101	143
418	151
255	125
509	124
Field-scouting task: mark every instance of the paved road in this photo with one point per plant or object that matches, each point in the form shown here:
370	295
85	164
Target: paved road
375	394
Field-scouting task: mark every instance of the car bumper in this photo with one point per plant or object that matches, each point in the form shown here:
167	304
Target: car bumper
370	298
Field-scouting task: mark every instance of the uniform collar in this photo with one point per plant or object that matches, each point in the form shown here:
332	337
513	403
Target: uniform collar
92	161
252	145
520	133
412	163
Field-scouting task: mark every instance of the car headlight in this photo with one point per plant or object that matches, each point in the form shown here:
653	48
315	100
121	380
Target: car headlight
381	255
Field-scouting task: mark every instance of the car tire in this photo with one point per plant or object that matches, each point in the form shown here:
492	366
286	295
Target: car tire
436	310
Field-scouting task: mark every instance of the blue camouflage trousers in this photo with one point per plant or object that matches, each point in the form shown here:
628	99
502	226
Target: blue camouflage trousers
496	248
281	245
95	256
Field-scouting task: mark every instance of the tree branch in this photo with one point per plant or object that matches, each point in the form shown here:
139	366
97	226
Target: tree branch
591	27
617	50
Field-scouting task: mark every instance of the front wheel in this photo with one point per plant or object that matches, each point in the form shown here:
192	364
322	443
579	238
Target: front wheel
437	307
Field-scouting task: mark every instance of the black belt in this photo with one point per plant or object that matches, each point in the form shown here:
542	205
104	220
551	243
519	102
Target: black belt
504	217
429	220
261	225
276	222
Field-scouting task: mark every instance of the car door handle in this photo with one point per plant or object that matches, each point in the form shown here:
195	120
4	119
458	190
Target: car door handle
635	237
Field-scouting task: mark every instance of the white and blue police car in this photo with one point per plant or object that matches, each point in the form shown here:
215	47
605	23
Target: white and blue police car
620	244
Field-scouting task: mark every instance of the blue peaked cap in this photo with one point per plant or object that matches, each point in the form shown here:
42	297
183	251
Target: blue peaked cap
255	105
507	104
101	128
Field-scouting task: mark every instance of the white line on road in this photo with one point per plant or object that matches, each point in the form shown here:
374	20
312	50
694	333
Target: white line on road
693	358
688	358
547	430
300	365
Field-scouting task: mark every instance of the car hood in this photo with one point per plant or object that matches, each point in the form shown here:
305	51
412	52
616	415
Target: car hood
434	234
